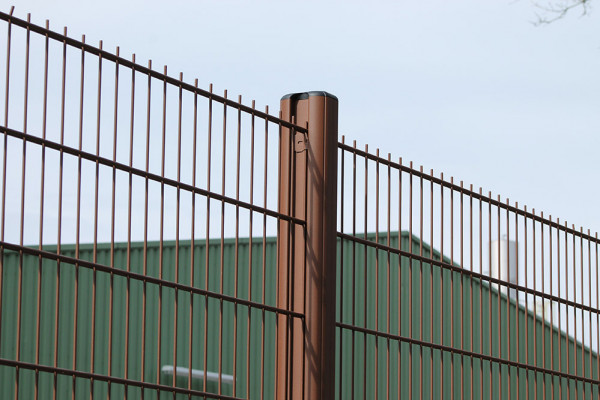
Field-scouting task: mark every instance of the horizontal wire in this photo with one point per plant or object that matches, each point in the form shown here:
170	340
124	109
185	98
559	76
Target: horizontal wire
466	192
112	379
141	173
463	271
467	353
145	278
123	62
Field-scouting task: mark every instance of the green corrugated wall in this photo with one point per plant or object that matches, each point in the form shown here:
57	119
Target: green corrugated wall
152	349
370	271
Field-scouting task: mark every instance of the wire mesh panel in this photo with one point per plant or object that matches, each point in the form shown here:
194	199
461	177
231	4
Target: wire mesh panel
446	292
137	224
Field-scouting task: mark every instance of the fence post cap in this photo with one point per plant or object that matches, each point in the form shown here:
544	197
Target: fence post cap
306	95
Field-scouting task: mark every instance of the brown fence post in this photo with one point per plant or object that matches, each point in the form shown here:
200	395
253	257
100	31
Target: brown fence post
307	255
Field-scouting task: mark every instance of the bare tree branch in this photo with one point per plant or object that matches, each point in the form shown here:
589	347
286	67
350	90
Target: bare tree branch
555	10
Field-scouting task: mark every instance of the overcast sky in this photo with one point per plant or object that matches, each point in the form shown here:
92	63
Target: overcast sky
471	88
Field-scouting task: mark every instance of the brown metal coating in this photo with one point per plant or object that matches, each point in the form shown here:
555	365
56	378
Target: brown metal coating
222	247
206	271
192	240
376	271
41	221
311	363
112	226
145	254
410	278
441	281
4	157
105	378
365	268
465	353
263	266
22	212
305	323
499	224
161	229
452	289
421	283
341	310
129	222
399	365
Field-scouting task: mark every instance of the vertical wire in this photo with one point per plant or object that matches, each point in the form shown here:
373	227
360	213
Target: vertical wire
421	281
206	243
177	217
431	244
280	227
442	283
508	292
452	286
41	232
597	314
499	319
263	266
481	294
462	323
389	244
129	218
62	131
558	272
96	204
290	268
400	277
112	227
4	157
22	213
558	306
491	350
566	306
471	283
365	321
527	372
222	264
280	233
250	244
161	231
544	311
582	312
341	263
376	272
589	300
353	363
410	279
576	312
237	240
575	372
535	306
517	301
145	253
192	240
78	218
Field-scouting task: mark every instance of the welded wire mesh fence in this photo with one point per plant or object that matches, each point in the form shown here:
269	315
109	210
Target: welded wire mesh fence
446	292
136	223
144	252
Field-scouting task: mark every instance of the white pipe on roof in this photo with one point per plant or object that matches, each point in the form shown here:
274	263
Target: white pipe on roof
196	373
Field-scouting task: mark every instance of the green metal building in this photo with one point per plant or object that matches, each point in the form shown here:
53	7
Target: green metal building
149	322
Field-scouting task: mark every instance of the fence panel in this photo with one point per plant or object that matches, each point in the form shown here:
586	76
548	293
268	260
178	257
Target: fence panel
158	240
137	223
446	292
